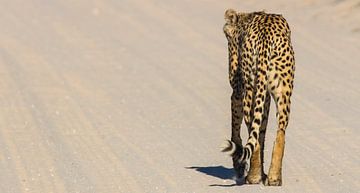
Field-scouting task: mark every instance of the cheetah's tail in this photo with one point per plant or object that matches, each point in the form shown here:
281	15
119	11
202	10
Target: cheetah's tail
233	149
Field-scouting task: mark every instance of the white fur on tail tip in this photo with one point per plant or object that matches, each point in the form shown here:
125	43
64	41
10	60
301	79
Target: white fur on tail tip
228	147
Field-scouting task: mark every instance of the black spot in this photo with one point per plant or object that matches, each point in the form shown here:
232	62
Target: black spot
258	109
285	112
257	121
255	135
282	123
285	100
275	76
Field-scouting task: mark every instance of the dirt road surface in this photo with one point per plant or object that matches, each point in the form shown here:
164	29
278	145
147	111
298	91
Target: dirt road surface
132	96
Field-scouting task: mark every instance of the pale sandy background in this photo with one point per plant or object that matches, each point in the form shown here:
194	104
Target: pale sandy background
106	96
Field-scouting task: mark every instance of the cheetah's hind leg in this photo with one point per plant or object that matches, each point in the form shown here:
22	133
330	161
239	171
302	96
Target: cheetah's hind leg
256	173
282	98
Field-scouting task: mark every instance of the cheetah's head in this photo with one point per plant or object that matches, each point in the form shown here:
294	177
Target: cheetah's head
234	23
230	28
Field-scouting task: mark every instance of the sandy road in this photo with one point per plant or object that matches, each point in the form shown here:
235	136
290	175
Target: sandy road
133	96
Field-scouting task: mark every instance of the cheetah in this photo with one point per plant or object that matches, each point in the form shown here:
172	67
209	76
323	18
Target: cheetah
261	66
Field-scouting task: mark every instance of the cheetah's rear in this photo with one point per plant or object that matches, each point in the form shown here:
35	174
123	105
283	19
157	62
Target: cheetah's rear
261	64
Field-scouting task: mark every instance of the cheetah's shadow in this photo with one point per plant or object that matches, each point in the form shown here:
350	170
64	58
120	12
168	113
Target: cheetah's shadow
220	172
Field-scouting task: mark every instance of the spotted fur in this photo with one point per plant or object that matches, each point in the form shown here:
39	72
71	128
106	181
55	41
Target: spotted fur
261	64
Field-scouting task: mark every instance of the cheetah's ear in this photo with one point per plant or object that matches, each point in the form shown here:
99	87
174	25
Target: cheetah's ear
244	17
231	16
